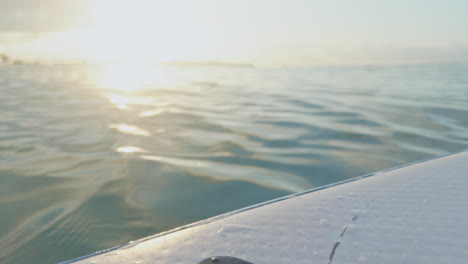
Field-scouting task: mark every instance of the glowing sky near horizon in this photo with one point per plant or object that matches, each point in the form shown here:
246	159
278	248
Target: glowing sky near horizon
275	32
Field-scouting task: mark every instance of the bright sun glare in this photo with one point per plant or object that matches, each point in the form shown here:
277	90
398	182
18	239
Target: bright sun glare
142	31
131	76
128	37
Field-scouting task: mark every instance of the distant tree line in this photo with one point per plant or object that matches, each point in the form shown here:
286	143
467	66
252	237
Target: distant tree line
5	58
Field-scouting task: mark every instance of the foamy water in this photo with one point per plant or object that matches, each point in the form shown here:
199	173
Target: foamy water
93	157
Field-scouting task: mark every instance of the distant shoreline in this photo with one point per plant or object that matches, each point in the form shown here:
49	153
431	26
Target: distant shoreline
209	63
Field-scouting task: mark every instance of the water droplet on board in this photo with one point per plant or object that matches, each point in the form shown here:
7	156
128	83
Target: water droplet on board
239	230
362	259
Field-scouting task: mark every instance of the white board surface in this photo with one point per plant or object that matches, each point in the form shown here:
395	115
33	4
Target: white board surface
412	214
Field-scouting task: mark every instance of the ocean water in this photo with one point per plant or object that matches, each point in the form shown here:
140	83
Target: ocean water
92	157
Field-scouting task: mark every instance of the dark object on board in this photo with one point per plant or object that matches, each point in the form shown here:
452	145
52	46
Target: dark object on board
224	260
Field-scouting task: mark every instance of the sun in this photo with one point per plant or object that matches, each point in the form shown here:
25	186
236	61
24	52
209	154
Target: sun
144	31
116	33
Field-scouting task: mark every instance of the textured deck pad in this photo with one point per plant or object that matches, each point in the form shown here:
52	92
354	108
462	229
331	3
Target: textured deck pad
413	214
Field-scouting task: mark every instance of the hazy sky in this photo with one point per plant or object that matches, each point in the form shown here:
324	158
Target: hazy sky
279	32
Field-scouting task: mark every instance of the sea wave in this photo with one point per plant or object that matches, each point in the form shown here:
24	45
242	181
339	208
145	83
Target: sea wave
87	163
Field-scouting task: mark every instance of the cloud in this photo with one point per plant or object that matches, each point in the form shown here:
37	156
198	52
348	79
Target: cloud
33	16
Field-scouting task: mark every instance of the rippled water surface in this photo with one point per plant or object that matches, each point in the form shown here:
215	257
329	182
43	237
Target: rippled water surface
91	157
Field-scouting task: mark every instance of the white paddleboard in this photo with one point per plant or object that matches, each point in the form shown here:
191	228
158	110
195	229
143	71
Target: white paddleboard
416	213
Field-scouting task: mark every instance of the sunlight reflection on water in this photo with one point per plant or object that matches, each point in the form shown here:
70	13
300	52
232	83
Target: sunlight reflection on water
129	149
131	130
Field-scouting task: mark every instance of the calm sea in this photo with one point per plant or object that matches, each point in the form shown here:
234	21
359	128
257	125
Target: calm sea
92	157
